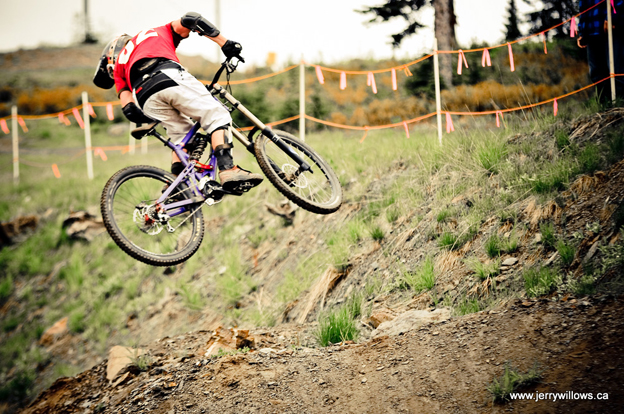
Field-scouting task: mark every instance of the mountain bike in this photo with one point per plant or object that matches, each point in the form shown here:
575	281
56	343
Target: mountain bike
156	217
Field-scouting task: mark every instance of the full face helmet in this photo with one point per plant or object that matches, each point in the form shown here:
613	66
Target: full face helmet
104	77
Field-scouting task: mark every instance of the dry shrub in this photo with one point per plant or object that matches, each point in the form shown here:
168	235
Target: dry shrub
447	261
355	94
491	95
583	185
338	118
51	100
359	117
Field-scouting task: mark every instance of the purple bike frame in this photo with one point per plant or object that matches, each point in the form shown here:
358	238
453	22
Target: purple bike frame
188	175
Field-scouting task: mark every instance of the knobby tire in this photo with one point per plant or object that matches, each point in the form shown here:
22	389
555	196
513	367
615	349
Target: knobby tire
116	205
319	192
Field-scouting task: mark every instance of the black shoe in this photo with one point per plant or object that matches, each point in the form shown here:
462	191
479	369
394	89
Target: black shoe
238	180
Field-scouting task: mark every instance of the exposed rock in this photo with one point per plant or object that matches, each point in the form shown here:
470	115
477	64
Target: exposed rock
411	320
510	262
54	333
118	358
228	340
381	316
81	225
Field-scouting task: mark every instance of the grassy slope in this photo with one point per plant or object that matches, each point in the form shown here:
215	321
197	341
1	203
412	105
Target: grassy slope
391	183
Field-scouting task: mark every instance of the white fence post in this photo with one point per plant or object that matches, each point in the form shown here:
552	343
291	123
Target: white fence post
436	74
611	63
144	145
87	128
15	145
302	120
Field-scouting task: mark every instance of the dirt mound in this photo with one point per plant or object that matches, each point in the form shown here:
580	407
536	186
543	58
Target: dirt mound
443	367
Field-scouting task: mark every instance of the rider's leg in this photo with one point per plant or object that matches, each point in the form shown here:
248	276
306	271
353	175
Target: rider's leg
173	107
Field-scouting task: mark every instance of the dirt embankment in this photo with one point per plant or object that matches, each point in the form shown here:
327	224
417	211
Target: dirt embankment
442	368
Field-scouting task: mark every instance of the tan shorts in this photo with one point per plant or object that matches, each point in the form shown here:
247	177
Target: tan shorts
179	107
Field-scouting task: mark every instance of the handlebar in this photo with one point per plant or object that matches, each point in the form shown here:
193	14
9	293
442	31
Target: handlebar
227	65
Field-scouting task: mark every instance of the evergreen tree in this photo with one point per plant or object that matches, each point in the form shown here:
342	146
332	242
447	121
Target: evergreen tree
512	31
552	13
444	25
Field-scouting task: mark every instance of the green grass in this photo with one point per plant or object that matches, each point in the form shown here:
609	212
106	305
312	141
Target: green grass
467	306
444	215
484	270
448	240
493	246
511	380
562	138
510	244
356	230
566	252
585	285
6	287
336	326
191	297
540	281
377	233
549	239
354	305
491	155
423	278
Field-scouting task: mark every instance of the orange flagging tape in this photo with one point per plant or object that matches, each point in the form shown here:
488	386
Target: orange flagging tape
76	114
394	80
100	151
56	171
256	79
22	124
461	61
511	58
319	75
365	72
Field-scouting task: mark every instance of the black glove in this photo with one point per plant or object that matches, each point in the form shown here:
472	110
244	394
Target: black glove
134	114
232	49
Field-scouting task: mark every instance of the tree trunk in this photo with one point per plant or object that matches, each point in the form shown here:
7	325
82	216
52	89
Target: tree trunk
445	33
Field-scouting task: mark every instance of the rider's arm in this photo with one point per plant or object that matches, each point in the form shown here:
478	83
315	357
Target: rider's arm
125	97
184	33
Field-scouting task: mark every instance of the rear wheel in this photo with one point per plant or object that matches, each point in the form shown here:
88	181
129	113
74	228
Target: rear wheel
317	190
140	226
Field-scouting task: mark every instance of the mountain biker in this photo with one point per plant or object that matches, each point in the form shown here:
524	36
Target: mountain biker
146	71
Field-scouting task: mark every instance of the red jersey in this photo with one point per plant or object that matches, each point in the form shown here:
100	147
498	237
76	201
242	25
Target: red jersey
150	43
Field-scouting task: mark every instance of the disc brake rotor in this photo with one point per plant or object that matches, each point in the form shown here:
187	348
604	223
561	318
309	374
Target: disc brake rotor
145	222
292	178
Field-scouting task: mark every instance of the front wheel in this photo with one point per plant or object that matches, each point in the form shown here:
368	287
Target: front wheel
140	226
317	190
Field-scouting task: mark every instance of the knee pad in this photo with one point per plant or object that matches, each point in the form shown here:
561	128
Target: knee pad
228	137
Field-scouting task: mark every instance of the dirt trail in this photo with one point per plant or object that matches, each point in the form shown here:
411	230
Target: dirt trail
443	368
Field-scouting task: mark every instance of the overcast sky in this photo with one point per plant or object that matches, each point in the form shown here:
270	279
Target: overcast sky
327	30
